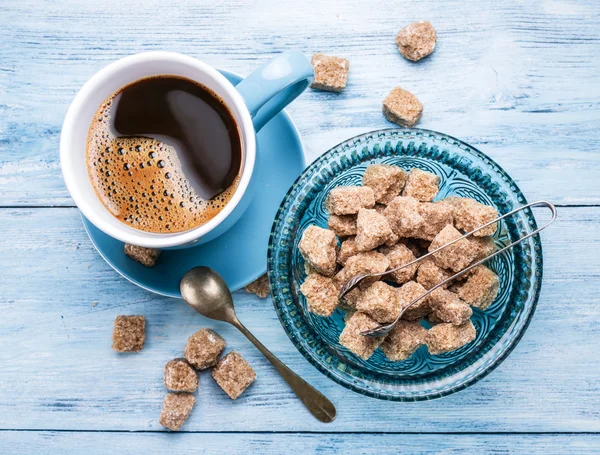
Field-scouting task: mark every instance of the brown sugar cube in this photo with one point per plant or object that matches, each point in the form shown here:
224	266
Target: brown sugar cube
369	262
456	256
403	340
203	349
436	217
484	246
480	289
404	217
448	307
342	225
398	255
372	230
145	256
177	407
416	40
259	287
180	376
129	333
351	338
348	200
321	294
421	185
470	214
348	303
318	247
402	107
347	250
430	275
380	301
385	180
449	337
331	73
233	374
408	292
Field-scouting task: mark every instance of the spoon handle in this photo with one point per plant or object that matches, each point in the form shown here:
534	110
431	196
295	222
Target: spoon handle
317	403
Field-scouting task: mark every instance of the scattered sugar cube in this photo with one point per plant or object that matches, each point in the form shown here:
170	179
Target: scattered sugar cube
259	287
348	200
380	301
480	289
403	340
372	230
429	274
408	292
331	73
318	247
145	256
421	185
321	294
448	307
180	376
342	225
470	214
436	216
176	409
351	338
385	180
129	333
398	255
402	107
456	256
347	250
369	262
449	337
416	40
484	246
233	374
404	217
203	349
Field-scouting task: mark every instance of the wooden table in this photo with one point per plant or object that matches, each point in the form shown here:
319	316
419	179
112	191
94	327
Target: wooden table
517	79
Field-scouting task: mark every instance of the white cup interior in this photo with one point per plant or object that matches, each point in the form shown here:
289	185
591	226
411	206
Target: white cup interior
79	118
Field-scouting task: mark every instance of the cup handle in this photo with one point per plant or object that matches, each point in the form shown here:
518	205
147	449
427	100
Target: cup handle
274	85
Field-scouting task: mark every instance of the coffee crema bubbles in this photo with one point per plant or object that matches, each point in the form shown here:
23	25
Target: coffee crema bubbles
141	182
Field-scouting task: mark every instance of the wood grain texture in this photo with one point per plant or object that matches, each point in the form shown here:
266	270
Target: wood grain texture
59	300
68	443
517	79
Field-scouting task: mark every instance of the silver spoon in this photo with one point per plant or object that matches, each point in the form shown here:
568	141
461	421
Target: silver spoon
205	291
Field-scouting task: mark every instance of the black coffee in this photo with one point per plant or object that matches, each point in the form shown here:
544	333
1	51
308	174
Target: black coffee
164	154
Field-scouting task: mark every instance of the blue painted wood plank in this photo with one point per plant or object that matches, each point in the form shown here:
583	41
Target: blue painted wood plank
68	443
58	300
517	79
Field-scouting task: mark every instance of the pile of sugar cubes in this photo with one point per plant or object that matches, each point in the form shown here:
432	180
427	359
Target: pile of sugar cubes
387	222
203	350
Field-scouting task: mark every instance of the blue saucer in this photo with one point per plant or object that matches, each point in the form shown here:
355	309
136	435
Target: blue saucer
239	255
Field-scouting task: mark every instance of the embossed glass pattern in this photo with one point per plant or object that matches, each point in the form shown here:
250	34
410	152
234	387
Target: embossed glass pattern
464	171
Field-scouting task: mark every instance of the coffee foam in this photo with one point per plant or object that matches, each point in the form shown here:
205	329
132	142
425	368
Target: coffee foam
141	182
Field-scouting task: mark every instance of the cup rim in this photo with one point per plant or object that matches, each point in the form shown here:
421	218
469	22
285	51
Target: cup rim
126	233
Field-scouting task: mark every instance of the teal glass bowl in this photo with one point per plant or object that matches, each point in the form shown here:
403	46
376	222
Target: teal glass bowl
464	171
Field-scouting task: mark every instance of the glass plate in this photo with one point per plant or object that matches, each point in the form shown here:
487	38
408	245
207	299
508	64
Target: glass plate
464	171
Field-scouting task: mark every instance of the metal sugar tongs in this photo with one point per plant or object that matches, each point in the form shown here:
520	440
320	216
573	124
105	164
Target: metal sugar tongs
384	329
